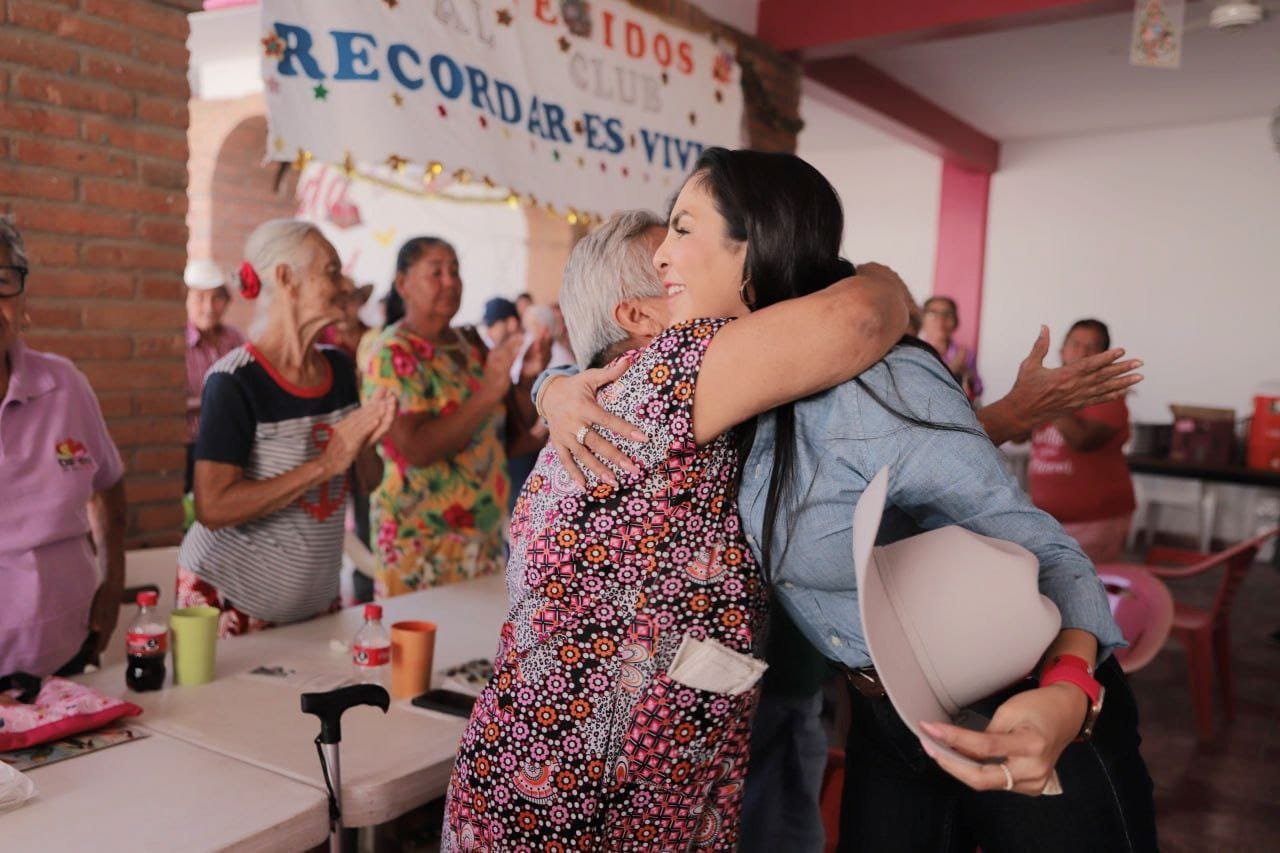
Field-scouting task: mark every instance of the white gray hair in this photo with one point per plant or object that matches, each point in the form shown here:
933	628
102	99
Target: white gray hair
541	317
274	242
611	265
11	239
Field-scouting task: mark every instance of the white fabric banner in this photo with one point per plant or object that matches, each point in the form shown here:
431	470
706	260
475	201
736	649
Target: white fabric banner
590	107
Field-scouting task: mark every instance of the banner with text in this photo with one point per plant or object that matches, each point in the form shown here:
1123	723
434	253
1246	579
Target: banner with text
584	106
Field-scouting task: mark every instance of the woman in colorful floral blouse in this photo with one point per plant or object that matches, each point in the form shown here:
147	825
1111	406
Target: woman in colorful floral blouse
439	514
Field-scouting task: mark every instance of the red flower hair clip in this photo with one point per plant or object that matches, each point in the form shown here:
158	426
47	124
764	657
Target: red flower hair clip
250	284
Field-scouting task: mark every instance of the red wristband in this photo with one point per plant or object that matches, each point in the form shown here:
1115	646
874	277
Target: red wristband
1074	669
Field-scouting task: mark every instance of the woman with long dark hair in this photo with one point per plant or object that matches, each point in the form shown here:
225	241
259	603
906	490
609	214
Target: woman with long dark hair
766	228
619	713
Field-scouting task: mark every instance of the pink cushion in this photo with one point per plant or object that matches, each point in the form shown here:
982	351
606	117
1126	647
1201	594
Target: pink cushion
63	708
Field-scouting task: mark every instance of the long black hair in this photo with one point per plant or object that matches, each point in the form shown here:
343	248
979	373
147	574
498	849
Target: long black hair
792	221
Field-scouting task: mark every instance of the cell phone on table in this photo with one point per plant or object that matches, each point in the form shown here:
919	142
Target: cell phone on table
446	702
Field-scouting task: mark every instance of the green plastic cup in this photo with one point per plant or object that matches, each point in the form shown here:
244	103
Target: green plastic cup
195	638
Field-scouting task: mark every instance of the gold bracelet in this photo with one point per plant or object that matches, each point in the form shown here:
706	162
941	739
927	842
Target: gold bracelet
542	391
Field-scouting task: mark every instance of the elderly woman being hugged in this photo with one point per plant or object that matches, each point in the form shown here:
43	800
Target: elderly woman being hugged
281	427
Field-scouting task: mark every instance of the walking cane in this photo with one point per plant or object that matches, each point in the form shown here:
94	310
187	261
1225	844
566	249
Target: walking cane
329	708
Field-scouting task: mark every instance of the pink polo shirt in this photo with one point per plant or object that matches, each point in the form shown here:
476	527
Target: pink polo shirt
202	353
54	454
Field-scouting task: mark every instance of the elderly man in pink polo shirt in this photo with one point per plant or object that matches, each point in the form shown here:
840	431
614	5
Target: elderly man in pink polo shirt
62	503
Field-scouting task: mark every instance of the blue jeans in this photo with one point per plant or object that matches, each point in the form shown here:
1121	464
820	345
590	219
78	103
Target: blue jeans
897	799
780	806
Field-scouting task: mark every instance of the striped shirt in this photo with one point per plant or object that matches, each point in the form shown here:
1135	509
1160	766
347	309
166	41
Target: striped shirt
202	353
282	567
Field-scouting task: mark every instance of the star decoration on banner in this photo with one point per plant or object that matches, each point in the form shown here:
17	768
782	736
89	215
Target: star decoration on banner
603	167
719	97
633	140
443	112
395	161
581	163
577	126
484	122
626	172
504	17
320	92
693	117
391	4
278	144
506	133
565	44
273	85
555	155
397	99
304	157
348	164
273	45
666	78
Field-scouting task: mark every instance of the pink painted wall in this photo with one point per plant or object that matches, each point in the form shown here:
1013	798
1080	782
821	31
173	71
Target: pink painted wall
962	243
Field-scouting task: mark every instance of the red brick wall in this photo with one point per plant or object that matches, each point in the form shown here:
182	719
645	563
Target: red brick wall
93	150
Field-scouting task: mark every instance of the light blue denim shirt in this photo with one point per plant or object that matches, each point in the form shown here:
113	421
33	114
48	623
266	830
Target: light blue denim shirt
936	478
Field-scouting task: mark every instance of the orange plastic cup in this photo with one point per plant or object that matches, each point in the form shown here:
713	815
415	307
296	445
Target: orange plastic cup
413	646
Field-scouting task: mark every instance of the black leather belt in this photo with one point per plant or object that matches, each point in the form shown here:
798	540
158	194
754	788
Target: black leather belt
866	681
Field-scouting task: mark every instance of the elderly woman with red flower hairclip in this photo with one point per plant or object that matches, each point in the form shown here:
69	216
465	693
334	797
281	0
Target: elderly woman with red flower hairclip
281	428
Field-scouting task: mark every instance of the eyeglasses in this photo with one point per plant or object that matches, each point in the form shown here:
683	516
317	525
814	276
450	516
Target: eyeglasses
13	280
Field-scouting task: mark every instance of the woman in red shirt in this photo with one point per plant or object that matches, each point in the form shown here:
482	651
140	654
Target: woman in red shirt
1078	473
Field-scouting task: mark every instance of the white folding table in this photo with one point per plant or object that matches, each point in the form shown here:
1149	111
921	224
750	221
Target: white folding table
390	763
160	793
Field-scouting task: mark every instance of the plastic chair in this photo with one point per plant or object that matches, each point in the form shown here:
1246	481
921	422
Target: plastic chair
1206	634
1143	608
1153	492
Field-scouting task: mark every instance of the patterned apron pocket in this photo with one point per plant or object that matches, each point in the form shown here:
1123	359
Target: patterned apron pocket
675	735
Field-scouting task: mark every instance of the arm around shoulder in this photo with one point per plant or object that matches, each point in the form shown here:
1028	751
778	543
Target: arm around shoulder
796	348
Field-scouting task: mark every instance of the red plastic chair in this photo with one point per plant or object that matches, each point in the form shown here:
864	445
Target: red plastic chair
1143	608
1206	634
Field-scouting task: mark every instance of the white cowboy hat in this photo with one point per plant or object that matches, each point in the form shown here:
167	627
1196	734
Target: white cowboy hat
950	616
203	275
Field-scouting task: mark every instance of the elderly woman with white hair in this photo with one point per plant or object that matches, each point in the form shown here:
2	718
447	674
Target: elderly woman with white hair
591	735
281	427
62	479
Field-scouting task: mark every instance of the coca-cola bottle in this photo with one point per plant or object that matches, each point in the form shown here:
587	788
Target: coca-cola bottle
371	649
146	644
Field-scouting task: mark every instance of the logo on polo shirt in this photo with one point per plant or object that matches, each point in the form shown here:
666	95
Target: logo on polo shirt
72	454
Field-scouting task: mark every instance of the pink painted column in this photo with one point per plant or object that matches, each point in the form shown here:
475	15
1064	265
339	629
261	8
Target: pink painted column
962	246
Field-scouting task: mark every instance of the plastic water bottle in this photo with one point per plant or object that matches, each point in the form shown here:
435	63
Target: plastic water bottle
371	649
145	644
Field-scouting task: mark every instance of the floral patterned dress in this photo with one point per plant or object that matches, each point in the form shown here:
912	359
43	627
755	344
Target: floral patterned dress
581	741
444	522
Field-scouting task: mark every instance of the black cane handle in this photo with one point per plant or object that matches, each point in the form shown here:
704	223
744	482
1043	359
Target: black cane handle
329	706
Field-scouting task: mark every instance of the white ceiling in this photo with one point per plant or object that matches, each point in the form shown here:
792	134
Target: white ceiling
1074	78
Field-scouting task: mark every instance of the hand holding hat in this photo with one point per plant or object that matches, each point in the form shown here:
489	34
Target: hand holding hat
952	617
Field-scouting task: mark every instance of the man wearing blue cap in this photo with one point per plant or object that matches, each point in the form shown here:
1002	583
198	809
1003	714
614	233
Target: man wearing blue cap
501	321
